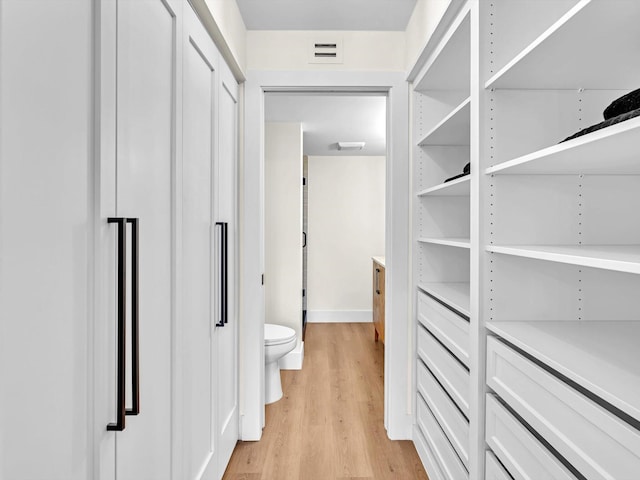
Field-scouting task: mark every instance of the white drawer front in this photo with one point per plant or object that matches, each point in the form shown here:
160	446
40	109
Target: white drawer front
495	471
449	372
427	456
596	442
451	329
454	424
523	455
449	462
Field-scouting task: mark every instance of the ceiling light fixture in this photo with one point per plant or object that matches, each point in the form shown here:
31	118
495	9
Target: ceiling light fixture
350	145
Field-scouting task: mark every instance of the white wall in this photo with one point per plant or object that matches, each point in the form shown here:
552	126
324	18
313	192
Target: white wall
227	16
422	24
289	50
283	225
223	22
346	228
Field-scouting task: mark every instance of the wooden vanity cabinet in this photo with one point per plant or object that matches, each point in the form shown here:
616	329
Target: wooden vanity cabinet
378	299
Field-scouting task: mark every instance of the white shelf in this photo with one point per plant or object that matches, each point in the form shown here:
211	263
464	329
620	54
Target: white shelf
619	258
592	46
449	66
612	150
450	242
460	187
453	129
601	356
456	295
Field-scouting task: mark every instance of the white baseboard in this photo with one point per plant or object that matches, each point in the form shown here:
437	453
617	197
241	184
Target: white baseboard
339	316
293	360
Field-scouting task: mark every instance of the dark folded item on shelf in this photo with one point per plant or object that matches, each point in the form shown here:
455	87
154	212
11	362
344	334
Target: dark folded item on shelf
606	123
624	104
465	171
455	176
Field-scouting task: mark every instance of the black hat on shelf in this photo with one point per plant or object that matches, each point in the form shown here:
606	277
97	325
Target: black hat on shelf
621	109
622	105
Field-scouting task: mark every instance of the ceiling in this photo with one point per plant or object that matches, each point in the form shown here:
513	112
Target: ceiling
328	119
380	15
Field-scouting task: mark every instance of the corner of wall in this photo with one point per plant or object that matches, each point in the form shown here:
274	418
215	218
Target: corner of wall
223	21
426	16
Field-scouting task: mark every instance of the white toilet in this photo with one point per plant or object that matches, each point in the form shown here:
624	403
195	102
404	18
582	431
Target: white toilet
278	341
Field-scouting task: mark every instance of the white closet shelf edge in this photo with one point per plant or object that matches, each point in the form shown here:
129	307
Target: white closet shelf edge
451	130
439	72
565	56
450	242
611	150
544	37
619	258
601	356
460	187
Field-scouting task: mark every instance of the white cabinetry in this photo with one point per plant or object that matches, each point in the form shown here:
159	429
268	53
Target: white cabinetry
442	108
561	261
208	331
551	237
46	239
118	232
136	176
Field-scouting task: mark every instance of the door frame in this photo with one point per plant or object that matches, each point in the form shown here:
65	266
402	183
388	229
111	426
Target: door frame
399	346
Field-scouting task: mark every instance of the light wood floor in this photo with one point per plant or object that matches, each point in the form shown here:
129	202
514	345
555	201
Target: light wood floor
329	424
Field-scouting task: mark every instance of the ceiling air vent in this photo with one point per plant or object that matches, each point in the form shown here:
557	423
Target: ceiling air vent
326	50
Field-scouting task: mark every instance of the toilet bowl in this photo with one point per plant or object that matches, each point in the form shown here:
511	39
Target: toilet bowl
278	341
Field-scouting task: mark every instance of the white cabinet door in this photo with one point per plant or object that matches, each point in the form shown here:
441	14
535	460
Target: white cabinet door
146	74
226	338
46	190
198	312
137	105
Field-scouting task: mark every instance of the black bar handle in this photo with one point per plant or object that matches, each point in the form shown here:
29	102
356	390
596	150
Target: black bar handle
122	302
223	274
135	316
304	239
378	281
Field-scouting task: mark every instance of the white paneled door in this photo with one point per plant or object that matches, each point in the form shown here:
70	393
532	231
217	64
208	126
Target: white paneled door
227	336
209	326
46	170
198	389
145	140
137	135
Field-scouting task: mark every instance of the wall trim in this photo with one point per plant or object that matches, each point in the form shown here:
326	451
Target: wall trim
399	345
294	359
339	316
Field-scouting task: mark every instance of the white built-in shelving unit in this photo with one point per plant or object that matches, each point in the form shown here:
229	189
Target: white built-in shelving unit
527	271
442	245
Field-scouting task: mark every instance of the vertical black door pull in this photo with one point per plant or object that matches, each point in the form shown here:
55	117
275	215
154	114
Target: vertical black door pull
378	281
121	312
304	239
135	315
224	314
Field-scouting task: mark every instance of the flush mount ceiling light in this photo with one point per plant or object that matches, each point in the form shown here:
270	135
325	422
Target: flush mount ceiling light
350	145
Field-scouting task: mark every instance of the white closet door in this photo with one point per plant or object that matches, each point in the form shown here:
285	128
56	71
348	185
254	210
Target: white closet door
146	70
226	338
46	161
197	317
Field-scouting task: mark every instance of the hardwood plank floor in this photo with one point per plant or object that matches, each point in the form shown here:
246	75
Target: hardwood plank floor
329	424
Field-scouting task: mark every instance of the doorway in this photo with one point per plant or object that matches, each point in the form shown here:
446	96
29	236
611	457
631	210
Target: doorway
399	338
325	156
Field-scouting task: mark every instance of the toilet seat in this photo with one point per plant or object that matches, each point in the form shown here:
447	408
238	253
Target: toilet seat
277	334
